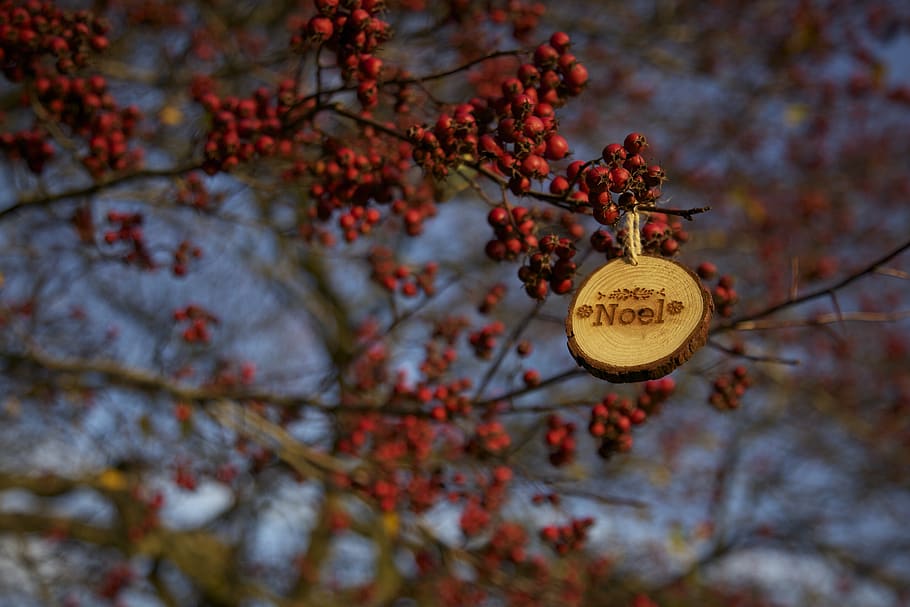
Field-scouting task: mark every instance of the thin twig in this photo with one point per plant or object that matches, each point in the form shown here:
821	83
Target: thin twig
49	199
747	322
753	357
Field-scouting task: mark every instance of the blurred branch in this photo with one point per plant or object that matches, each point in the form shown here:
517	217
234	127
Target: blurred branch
747	322
45	200
823	319
752	357
307	461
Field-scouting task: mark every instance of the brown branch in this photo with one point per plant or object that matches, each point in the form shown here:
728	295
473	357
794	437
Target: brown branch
45	200
752	357
739	323
414	79
823	319
685	213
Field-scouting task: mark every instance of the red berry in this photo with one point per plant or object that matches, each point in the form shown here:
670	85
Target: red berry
635	143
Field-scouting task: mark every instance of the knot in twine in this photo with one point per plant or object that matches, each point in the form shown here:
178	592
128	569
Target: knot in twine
633	236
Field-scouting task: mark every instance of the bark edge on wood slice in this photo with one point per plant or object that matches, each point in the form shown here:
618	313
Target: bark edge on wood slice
631	322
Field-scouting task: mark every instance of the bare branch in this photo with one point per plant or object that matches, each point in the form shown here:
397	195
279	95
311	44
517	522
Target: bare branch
747	322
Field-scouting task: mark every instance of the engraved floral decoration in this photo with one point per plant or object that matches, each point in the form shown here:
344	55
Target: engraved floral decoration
584	311
636	293
675	307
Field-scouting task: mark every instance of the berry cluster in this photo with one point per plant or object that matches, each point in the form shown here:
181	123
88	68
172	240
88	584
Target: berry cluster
507	543
602	242
397	277
115	581
525	137
490	439
344	178
727	390
560	440
549	268
243	129
185	251
199	319
30	145
514	232
662	235
354	32
612	418
725	296
523	16
452	139
484	340
193	193
89	110
184	477
492	298
569	537
484	498
150	506
129	232
33	30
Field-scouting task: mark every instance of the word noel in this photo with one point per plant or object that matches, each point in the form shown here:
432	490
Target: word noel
640	308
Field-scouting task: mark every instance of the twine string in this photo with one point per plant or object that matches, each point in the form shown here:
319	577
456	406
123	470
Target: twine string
633	236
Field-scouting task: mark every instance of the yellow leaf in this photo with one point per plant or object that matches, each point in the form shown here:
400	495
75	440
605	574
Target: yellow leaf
795	114
170	115
391	523
112	480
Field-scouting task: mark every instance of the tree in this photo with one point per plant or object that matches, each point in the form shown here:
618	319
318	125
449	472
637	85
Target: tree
284	289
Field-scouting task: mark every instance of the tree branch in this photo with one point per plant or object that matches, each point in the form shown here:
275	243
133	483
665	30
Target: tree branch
743	321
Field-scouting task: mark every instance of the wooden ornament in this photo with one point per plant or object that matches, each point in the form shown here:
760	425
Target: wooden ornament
631	322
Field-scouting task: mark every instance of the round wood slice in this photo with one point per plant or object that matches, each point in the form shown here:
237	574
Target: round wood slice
635	322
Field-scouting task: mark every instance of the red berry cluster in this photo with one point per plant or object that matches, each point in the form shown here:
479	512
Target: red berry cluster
33	30
185	251
602	242
451	139
184	477
352	30
395	277
116	579
725	296
617	181
526	135
507	543
193	193
524	17
727	390
569	537
514	232
451	400
87	107
492	298
150	506
560	440
612	419
490	439
484	340
662	235
199	319
484	498
31	145
436	361
344	178
445	399
243	129
130	233
549	268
